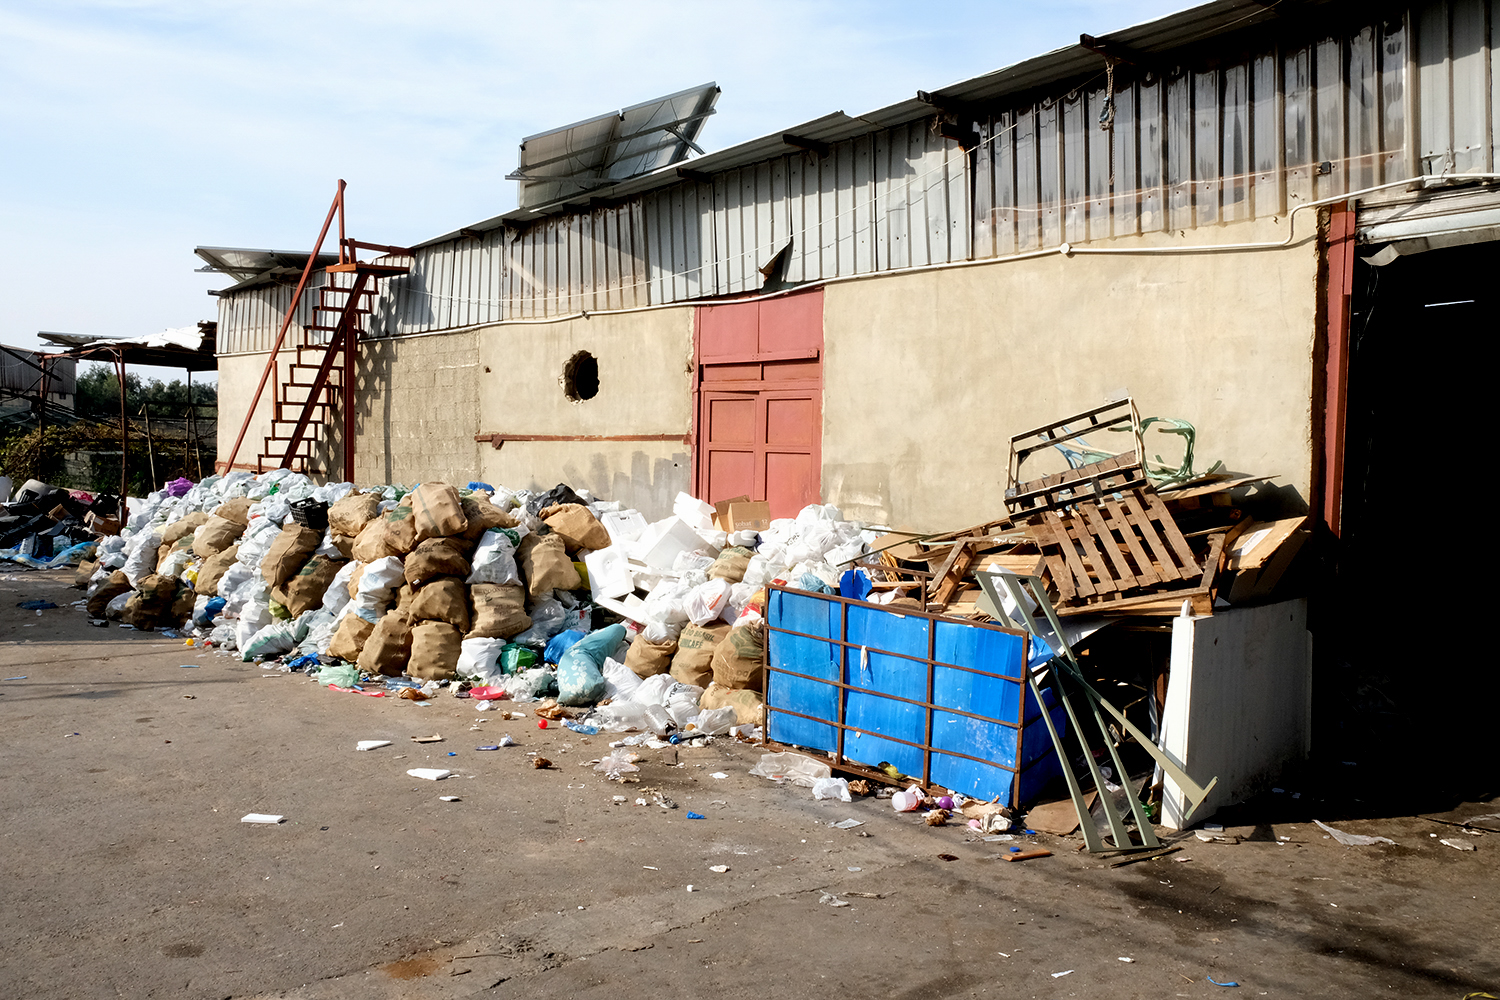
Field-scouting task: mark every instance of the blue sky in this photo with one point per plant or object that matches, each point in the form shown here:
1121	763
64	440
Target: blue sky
135	130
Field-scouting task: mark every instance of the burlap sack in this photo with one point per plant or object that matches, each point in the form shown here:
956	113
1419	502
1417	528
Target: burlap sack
482	516
184	525
304	591
437	511
545	564
288	552
353	585
216	535
405	595
161	552
151	601
749	706
737	660
649	658
730	565
388	646
236	511
117	584
213	568
693	662
349	515
576	526
444	599
436	557
182	604
392	534
434	652
345	545
499	610
84	571
350	637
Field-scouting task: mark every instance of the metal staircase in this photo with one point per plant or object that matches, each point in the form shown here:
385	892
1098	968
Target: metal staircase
318	386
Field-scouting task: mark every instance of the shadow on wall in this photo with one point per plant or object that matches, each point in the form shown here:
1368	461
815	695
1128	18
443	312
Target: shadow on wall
650	486
372	380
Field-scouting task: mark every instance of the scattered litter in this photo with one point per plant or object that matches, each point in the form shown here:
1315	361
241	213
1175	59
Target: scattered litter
189	666
691	888
1027	855
830	899
540	763
947	857
507	741
852	868
449	798
371	744
693	815
1124	959
651	868
261	818
21	678
491	746
847	824
1214	838
1351	839
718	774
1458	845
1231	983
434	738
430	773
1059	975
721	869
37	605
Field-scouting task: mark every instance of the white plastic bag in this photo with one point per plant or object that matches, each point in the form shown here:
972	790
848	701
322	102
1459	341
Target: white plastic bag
707	601
832	788
495	557
620	682
480	658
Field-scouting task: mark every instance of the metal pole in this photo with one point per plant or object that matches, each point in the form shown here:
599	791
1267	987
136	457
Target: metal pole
150	448
265	376
124	440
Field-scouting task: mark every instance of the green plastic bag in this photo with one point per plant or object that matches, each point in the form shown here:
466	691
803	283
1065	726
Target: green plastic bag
515	658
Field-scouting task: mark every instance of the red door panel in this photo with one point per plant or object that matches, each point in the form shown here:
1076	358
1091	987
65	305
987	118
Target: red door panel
764	438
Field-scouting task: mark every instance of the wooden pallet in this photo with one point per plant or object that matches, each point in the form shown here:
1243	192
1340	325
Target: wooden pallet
1087	482
1124	555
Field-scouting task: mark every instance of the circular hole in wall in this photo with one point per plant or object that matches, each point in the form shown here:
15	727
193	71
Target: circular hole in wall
581	376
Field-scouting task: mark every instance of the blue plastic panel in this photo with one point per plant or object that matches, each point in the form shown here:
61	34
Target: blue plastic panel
879	668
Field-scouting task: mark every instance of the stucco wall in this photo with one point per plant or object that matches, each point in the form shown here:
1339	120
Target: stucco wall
645	388
928	375
238	375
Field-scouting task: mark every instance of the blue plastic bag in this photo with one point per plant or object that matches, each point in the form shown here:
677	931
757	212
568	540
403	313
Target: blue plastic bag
560	644
580	677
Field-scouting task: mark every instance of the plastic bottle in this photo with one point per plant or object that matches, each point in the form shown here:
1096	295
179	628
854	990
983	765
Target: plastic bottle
907	801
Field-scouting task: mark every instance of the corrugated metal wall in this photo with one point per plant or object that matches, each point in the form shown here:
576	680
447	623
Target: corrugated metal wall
1238	141
891	199
1245	138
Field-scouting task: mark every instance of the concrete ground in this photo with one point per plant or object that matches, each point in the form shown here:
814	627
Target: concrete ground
127	871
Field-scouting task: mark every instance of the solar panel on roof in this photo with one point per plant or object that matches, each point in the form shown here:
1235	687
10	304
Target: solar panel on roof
571	162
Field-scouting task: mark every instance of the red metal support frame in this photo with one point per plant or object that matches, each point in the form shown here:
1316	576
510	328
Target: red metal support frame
337	208
339	343
1336	373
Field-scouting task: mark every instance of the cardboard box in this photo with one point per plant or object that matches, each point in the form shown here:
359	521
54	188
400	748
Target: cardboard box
748	515
101	525
721	512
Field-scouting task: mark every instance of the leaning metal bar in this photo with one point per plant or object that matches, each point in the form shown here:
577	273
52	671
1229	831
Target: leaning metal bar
1065	658
286	322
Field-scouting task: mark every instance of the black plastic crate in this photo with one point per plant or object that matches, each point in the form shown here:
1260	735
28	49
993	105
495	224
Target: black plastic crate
311	513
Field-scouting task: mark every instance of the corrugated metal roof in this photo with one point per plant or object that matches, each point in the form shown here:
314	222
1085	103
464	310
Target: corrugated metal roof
1074	61
252	267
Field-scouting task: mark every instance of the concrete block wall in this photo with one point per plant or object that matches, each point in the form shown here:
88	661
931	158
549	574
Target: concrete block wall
418	408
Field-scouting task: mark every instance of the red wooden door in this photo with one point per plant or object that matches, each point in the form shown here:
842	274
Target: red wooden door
760	395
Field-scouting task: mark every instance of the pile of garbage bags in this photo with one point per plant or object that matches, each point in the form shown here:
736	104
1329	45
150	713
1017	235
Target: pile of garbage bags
509	593
46	527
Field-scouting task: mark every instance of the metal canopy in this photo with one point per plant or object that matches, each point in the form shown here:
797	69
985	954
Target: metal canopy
247	266
572	162
188	347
